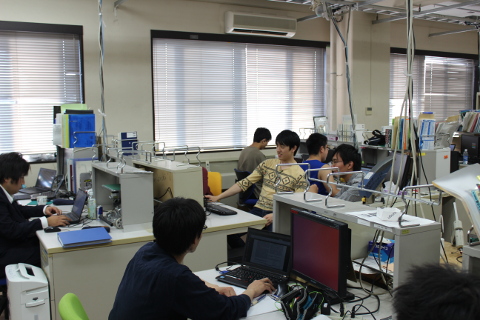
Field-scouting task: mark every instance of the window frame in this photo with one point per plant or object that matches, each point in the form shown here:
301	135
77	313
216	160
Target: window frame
180	35
53	29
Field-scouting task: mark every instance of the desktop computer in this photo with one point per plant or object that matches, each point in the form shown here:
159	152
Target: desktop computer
471	142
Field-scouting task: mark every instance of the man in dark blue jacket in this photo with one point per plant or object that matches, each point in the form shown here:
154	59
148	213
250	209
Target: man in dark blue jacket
156	285
18	241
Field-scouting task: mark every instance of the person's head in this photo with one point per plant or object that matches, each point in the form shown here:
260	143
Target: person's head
13	169
262	136
178	224
317	145
287	143
347	158
438	292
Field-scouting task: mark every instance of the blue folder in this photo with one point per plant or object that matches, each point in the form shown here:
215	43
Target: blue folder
84	237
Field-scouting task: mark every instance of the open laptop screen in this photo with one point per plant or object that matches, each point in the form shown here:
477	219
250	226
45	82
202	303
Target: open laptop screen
45	178
267	250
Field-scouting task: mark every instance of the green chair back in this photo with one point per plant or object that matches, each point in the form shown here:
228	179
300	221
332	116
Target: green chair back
70	308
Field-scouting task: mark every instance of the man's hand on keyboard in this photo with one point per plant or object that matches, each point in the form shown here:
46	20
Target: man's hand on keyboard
258	287
51	210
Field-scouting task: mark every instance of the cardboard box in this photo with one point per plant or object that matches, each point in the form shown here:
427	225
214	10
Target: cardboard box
386	252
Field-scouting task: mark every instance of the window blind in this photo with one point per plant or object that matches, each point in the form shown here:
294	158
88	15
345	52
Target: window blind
37	71
215	94
442	85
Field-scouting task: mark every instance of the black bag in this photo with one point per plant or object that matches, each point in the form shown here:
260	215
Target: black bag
378	139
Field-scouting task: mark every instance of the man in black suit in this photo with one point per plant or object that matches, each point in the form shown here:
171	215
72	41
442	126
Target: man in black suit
18	241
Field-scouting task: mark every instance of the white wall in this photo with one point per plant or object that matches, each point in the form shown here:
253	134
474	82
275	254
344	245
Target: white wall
127	70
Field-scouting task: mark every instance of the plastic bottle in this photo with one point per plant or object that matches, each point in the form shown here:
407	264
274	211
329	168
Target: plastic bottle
92	205
465	156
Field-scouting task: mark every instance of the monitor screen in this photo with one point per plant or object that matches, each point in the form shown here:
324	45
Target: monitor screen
403	168
45	178
320	251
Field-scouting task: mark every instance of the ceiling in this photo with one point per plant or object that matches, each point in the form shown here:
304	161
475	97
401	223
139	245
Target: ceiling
458	12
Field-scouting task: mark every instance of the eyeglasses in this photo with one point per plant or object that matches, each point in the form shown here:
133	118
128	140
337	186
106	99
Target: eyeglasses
334	161
205	227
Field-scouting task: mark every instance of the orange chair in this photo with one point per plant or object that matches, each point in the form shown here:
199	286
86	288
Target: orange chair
215	183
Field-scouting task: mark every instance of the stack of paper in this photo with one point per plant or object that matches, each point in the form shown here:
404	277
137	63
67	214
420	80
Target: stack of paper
84	237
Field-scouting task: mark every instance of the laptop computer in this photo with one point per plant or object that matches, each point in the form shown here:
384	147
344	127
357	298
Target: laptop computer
267	255
44	182
76	214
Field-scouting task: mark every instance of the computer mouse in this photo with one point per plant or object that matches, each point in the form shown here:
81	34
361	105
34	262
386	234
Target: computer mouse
52	229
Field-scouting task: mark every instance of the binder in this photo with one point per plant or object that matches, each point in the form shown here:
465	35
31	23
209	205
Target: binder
84	237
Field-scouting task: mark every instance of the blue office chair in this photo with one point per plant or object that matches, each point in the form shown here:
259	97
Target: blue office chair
248	197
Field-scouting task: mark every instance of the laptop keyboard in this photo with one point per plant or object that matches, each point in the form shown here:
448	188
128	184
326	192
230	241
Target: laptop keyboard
245	276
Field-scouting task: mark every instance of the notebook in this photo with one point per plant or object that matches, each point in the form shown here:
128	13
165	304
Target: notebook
76	214
83	237
267	254
44	182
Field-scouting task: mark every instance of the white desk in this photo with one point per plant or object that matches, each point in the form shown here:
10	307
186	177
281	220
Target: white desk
94	272
370	303
413	245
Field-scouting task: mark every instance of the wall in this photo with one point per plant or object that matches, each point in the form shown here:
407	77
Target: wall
127	70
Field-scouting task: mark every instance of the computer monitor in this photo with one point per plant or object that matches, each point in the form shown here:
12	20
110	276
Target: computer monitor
321	252
471	142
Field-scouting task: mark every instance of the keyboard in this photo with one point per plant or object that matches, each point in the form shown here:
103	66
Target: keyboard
219	209
243	276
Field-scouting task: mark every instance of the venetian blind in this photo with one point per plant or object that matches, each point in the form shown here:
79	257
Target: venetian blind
440	84
215	94
37	71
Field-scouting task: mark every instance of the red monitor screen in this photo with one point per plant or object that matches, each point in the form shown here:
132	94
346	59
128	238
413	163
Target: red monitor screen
320	250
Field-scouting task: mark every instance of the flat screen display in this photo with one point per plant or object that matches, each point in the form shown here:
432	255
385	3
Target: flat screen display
320	250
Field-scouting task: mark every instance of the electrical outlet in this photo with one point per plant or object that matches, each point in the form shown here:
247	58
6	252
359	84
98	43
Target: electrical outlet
368	111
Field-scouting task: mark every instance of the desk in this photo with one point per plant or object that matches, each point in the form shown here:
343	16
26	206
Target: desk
413	245
94	272
370	303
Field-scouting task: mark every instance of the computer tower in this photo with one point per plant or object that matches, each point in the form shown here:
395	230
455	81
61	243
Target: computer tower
471	142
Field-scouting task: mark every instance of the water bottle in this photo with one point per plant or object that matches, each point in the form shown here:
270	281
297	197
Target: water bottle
465	156
92	205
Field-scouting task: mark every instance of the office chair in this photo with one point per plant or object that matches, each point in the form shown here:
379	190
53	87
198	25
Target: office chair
4	298
70	308
215	183
246	198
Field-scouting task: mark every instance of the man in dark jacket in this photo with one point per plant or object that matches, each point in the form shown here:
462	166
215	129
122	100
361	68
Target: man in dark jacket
18	240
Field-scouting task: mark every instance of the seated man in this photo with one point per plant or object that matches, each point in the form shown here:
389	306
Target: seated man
18	240
291	178
317	153
435	292
347	158
156	284
251	156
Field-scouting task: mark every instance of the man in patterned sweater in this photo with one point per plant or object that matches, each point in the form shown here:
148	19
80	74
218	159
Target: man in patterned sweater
290	178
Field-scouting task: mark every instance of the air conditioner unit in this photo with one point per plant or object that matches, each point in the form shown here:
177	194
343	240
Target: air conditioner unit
259	25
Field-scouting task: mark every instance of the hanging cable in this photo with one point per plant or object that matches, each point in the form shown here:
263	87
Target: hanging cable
347	67
103	132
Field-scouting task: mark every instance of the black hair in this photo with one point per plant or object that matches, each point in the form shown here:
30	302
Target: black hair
315	142
288	138
350	153
262	133
438	292
13	166
177	222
